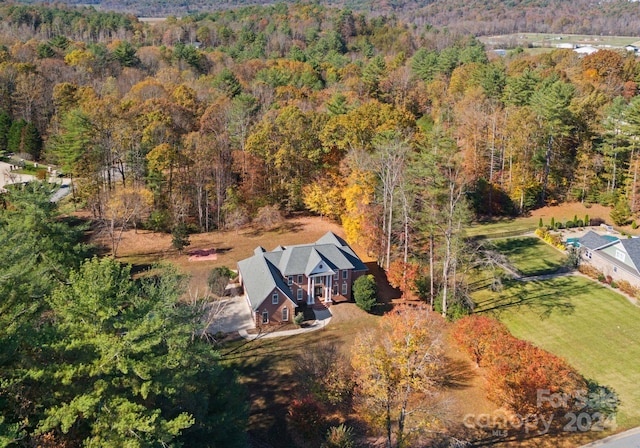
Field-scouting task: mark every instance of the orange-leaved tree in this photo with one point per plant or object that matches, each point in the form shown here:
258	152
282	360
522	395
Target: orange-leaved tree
403	276
479	336
396	370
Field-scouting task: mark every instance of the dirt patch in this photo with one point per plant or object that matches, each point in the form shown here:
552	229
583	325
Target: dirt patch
568	210
203	255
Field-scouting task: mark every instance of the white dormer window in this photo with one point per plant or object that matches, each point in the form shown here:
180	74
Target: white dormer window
274	298
620	255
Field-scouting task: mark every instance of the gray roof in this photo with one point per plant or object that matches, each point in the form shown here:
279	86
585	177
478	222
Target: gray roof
632	246
330	248
591	240
266	270
260	277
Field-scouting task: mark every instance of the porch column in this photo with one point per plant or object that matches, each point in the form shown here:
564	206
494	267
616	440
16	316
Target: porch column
327	288
313	289
308	288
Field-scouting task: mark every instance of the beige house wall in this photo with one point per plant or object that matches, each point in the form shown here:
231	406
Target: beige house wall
605	266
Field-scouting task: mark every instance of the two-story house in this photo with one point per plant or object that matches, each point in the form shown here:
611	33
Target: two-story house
276	282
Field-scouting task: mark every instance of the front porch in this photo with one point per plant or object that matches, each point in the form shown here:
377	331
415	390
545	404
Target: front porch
319	287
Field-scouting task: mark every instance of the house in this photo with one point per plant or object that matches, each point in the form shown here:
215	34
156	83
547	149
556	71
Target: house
618	258
316	274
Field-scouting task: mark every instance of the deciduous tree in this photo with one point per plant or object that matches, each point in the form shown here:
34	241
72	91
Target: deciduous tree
396	370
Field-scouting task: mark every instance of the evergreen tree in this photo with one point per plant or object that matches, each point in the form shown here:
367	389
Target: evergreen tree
365	292
5	126
31	141
14	137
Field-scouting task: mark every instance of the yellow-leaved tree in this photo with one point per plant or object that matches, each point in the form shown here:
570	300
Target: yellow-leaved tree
397	371
125	208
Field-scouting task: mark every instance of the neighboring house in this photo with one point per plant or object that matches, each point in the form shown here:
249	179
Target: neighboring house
619	258
276	282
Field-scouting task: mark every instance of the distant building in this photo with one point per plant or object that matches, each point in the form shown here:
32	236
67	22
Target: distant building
566	45
631	48
500	52
586	50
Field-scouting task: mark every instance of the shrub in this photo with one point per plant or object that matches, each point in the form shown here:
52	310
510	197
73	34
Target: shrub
589	271
540	223
586	220
269	217
608	280
298	318
306	417
219	279
601	278
180	237
613	284
553	222
570	224
515	369
159	221
365	291
340	436
627	288
634	224
579	223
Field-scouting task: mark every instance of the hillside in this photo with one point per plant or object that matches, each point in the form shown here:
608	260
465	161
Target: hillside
476	17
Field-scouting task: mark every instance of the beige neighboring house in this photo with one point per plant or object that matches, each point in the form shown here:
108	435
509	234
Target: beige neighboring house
316	274
619	258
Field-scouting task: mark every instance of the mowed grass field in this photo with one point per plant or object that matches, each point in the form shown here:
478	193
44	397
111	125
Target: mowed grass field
595	329
531	255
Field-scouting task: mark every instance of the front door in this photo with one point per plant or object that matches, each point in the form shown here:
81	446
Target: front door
318	292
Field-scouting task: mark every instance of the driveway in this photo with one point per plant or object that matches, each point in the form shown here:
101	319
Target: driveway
231	315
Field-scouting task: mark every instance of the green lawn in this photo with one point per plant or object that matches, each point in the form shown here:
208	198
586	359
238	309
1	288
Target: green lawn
531	255
594	328
498	227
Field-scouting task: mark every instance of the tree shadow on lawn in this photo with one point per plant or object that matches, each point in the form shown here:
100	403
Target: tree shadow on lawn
265	370
284	227
543	300
456	373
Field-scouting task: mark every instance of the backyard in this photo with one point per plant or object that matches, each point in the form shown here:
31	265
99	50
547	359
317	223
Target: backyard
531	255
592	327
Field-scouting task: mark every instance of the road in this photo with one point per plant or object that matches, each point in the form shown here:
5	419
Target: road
627	439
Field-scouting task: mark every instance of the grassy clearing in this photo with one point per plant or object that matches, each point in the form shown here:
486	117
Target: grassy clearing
594	328
502	226
530	255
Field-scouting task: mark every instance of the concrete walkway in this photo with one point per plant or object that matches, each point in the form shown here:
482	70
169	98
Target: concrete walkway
323	317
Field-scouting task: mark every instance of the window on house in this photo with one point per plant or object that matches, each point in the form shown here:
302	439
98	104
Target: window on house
335	277
290	280
619	255
320	267
299	279
335	289
285	314
299	294
345	273
274	298
615	269
344	288
265	317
